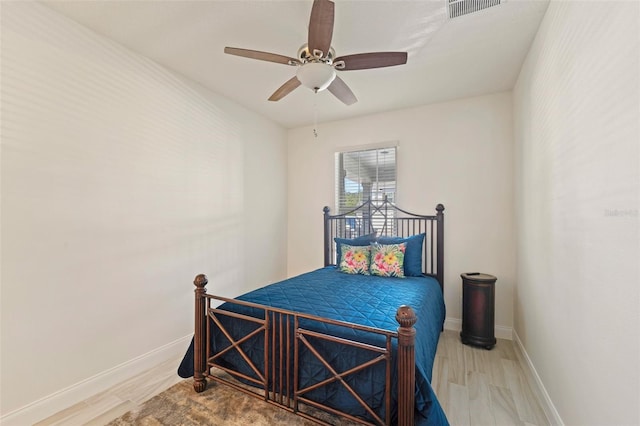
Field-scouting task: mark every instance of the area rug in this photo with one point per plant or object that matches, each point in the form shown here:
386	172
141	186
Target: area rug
218	405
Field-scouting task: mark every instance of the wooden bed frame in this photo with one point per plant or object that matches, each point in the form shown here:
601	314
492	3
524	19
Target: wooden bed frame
273	382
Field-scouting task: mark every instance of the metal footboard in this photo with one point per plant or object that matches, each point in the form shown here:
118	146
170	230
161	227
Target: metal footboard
275	378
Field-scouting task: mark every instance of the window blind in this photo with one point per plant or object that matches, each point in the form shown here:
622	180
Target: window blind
365	175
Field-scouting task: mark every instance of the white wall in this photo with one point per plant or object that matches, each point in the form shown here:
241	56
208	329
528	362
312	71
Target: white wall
120	182
456	153
577	116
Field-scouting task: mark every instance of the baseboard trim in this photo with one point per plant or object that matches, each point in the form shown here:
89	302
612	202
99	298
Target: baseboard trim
545	400
454	324
71	395
500	331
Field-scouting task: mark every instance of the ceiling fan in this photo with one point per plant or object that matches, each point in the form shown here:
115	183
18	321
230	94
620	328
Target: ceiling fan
316	59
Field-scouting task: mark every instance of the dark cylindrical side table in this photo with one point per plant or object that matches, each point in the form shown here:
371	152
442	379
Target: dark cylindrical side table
478	309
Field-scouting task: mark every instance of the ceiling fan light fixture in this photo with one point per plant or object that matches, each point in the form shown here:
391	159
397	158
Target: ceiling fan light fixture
316	76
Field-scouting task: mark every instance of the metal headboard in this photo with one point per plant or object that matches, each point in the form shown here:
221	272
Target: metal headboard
385	218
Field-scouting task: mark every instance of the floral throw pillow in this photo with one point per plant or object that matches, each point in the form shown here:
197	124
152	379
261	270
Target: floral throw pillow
355	259
387	260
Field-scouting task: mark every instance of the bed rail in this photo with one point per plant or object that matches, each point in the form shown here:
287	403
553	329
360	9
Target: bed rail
386	219
285	333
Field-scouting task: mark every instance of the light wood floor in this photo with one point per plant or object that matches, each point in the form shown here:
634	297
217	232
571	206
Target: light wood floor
474	386
480	387
100	409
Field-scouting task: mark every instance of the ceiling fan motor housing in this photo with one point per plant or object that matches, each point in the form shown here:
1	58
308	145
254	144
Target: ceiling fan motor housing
305	55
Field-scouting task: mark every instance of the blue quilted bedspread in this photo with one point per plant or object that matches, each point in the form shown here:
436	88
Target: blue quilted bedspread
365	300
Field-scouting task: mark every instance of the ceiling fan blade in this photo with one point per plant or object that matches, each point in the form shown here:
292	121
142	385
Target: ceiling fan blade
341	91
263	56
363	61
285	89
321	26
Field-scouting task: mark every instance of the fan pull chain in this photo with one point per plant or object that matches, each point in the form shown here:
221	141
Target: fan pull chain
315	117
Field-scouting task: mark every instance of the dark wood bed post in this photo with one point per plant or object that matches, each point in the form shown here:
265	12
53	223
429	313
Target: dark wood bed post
327	252
406	365
440	246
200	338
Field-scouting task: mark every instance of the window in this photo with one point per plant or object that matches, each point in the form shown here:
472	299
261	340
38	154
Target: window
362	176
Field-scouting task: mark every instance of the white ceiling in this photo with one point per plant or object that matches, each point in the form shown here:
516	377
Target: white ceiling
448	59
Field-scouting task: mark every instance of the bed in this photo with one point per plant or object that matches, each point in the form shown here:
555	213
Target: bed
358	345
